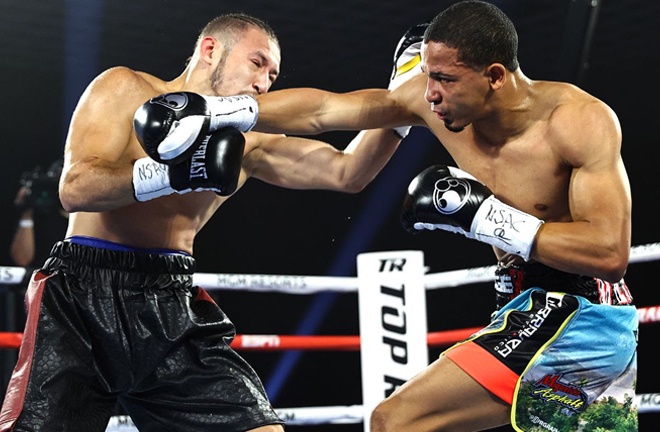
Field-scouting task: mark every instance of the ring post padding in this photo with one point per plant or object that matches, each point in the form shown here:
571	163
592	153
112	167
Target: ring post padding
392	311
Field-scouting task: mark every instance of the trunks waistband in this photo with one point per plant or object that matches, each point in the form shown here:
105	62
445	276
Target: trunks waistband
95	253
512	280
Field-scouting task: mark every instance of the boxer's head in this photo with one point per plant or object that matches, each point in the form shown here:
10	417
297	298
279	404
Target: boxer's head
240	54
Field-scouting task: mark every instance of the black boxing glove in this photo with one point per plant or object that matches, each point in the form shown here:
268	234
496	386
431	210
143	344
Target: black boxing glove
214	166
171	126
450	199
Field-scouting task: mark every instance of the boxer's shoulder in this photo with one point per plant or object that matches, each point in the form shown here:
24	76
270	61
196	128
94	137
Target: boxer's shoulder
124	82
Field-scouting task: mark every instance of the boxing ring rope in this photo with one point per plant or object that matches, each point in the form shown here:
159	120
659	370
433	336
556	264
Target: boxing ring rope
314	284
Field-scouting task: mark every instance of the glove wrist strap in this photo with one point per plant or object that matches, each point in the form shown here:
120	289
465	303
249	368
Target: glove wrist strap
240	112
505	227
150	180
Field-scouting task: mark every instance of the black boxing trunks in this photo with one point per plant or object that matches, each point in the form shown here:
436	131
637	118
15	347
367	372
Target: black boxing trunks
109	324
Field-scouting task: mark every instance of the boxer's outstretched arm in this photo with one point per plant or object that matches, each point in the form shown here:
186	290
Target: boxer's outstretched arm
307	111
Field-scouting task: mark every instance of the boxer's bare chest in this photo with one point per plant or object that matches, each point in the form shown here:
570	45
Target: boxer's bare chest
524	171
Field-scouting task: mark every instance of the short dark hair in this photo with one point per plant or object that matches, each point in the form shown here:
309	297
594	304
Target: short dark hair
228	28
480	31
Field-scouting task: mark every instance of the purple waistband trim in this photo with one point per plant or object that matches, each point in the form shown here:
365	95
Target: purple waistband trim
106	244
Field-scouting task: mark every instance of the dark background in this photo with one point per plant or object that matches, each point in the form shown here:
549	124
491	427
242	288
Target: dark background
51	49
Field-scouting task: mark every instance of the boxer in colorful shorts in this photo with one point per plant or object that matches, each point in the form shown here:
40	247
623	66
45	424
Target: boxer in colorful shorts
542	181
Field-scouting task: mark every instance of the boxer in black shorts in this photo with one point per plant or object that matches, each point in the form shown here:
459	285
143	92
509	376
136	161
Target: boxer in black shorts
127	325
113	315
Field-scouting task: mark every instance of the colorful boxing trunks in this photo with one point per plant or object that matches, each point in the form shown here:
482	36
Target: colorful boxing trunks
557	358
109	324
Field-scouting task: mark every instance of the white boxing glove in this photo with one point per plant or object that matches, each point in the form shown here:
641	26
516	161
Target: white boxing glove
406	63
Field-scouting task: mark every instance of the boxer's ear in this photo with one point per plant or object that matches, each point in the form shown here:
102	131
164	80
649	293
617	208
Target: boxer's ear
496	73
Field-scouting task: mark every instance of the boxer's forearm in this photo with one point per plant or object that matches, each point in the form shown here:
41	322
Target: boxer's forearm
308	111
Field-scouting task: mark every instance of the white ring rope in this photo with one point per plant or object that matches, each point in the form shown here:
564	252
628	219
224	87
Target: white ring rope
313	284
